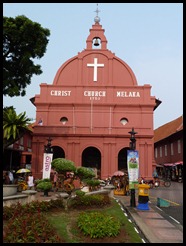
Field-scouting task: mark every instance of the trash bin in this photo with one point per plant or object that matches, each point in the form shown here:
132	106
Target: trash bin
143	196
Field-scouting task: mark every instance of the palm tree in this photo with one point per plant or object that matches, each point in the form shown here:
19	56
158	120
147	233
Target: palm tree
14	126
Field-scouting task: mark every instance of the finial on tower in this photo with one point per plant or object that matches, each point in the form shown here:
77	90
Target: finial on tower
97	19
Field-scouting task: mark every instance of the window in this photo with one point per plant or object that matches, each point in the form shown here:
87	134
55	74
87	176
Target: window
21	141
29	143
156	153
165	150
172	150
160	151
64	120
179	146
124	121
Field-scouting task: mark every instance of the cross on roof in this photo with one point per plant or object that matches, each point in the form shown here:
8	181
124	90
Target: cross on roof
97	11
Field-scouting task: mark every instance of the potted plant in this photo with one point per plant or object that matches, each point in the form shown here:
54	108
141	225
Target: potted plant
45	185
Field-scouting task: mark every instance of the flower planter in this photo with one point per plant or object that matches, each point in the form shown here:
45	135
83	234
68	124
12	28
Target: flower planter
9	190
44	186
46	192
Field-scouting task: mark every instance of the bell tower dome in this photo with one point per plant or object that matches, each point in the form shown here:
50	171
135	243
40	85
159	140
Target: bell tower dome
96	38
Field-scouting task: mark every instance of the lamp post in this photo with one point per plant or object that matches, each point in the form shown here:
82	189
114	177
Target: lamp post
132	146
48	148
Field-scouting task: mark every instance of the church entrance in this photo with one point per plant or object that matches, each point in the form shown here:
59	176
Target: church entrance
122	160
91	157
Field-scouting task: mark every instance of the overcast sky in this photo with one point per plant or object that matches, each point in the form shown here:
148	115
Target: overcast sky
147	36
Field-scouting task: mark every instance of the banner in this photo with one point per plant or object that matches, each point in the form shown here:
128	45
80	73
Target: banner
47	159
133	168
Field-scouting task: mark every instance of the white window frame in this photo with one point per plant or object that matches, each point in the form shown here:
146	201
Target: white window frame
165	150
160	151
179	146
156	152
172	149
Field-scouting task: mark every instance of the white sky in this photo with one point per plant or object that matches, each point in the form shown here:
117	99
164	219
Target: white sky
147	36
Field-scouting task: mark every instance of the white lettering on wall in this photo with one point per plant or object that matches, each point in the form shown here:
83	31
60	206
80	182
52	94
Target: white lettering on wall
95	65
97	94
60	93
94	93
128	94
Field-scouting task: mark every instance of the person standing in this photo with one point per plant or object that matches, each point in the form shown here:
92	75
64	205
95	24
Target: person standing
55	180
30	181
155	174
7	179
11	177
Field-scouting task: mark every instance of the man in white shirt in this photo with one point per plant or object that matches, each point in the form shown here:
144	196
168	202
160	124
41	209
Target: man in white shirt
30	181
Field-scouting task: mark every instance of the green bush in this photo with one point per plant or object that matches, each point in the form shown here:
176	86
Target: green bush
18	209
44	185
92	182
30	228
98	225
79	193
89	200
26	223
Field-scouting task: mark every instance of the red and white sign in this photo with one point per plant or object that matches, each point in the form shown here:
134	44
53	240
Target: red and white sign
47	159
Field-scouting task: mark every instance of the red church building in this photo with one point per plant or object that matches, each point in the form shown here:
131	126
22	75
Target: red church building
89	110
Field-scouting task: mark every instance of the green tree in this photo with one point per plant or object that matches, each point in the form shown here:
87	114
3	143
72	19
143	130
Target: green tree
14	126
85	173
23	41
62	166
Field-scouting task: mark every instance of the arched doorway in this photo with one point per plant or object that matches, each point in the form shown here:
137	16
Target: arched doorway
122	159
58	152
91	157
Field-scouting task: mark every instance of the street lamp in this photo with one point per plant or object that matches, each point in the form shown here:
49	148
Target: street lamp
48	148
132	146
133	139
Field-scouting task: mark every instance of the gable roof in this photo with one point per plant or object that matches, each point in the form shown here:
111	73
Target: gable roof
168	129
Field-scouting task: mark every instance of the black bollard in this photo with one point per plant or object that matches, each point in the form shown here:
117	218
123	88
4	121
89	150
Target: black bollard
132	198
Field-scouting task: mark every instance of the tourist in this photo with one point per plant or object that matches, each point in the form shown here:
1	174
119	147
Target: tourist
30	181
55	180
10	174
7	179
155	174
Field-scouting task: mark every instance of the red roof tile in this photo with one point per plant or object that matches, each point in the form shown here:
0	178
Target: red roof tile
168	129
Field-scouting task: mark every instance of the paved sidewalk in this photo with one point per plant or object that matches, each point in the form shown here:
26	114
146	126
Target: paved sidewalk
155	227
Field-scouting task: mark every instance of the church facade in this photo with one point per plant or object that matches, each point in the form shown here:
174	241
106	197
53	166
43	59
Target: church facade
89	110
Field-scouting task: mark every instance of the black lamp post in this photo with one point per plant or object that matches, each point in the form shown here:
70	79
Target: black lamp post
132	146
47	148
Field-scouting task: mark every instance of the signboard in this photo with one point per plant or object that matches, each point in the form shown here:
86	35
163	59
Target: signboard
133	168
47	159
